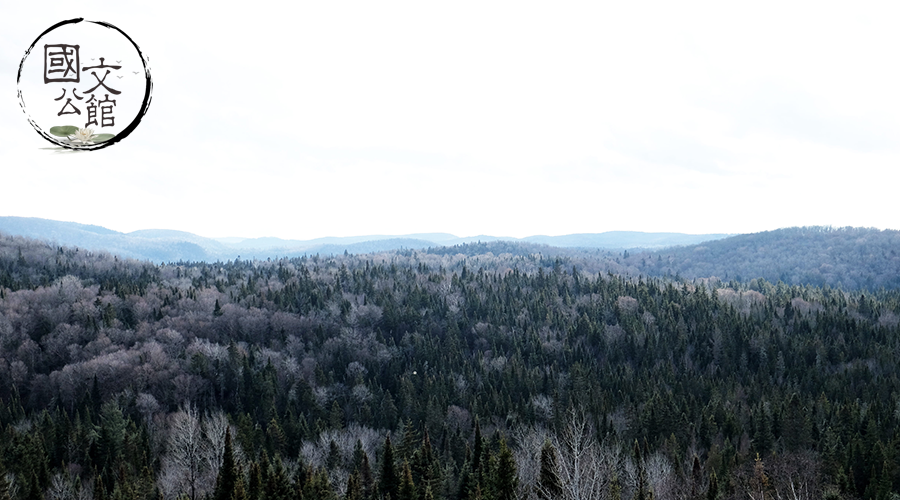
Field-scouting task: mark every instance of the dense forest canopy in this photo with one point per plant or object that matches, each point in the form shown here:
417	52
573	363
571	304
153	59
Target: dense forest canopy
849	258
474	373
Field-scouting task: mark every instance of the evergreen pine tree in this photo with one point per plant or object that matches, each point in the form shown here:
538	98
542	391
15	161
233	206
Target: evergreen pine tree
477	451
33	490
425	466
409	443
354	489
333	459
365	478
255	482
696	478
319	487
712	491
99	490
227	477
358	454
407	489
278	486
465	481
615	489
389	483
240	491
641	493
336	416
505	476
549	485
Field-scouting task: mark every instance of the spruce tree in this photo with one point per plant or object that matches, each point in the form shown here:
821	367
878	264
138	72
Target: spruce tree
712	491
365	478
227	477
407	486
549	484
641	493
477	453
696	478
354	489
425	466
465	481
505	476
615	489
389	483
333	459
255	482
240	491
278	486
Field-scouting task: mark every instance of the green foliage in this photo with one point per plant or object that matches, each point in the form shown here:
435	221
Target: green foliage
307	353
505	476
407	490
227	479
389	481
63	131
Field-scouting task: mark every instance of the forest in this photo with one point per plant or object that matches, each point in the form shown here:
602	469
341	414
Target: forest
477	372
850	258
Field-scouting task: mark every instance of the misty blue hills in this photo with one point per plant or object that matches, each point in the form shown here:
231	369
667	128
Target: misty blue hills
849	258
164	245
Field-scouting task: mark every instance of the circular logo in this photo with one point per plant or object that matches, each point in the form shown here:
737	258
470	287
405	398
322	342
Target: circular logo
84	85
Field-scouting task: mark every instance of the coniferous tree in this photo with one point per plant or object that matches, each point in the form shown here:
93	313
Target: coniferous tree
641	492
33	490
505	475
333	459
407	490
255	482
354	489
388	482
478	453
228	474
615	489
319	487
712	491
549	484
466	480
425	466
365	478
696	478
99	489
278	486
336	416
240	491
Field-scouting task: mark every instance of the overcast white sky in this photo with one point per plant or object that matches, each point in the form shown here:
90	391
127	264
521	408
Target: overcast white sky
512	119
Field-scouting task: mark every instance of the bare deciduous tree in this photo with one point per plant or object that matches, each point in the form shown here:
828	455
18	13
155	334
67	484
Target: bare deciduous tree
193	453
585	468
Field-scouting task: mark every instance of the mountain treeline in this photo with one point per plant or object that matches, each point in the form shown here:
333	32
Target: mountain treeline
420	376
849	258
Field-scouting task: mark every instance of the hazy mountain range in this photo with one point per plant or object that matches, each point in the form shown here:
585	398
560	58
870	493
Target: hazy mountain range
163	245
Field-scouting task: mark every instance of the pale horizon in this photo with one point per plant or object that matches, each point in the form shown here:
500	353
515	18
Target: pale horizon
479	119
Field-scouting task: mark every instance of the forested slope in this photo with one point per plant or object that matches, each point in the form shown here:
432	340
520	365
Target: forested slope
420	375
849	258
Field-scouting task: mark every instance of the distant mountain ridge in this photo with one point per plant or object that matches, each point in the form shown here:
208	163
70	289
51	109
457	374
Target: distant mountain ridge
849	258
164	245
